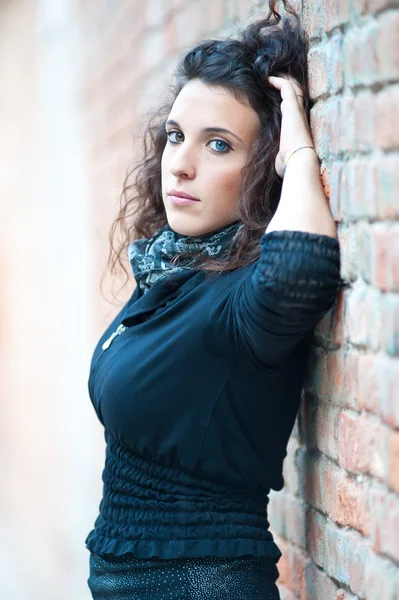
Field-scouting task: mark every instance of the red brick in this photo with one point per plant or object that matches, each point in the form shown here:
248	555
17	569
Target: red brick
276	513
363	316
333	52
325	127
364	107
385	273
283	565
332	376
296	521
386	133
341	553
363	443
337	13
380	578
345	595
347	126
387	378
329	489
360	56
313	19
385	522
311	470
331	327
390	318
346	500
332	188
374	6
379	249
318	584
290	471
327	378
326	429
368	385
316	539
292	569
388	45
318	72
286	594
299	563
357	188
349	266
394	461
386	186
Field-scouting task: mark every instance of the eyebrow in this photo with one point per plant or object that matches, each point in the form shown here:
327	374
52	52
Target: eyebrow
208	129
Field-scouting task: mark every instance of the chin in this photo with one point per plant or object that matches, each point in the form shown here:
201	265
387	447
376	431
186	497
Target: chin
188	227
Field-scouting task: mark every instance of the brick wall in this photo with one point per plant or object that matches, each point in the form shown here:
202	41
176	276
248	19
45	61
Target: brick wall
337	519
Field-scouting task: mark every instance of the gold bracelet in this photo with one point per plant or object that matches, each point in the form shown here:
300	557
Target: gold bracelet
300	148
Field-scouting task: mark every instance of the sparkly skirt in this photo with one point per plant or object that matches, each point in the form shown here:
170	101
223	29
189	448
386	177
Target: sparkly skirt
126	577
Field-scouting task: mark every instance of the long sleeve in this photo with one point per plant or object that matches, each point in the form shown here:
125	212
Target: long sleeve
290	287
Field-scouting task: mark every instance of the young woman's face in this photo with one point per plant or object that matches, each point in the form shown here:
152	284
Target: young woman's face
204	163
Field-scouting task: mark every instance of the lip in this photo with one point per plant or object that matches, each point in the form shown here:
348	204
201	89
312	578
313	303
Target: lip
177	201
182	195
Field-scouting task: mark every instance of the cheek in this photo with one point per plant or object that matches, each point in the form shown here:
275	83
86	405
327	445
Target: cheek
164	164
227	182
164	170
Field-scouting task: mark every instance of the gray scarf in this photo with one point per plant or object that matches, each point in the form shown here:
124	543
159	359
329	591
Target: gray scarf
150	259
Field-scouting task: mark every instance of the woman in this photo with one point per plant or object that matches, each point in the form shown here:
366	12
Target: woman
197	381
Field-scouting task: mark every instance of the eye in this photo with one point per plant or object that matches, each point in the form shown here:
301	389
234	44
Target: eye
220	150
221	146
173	132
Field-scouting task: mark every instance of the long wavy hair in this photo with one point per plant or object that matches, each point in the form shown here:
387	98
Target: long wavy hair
270	45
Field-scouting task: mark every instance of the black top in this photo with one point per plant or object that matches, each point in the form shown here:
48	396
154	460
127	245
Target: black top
198	393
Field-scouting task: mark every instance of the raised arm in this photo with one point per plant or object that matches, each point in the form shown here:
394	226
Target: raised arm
297	276
292	285
303	205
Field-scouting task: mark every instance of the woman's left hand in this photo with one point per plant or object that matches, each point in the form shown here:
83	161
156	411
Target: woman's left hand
295	130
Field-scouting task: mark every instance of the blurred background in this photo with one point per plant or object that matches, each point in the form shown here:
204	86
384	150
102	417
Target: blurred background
77	78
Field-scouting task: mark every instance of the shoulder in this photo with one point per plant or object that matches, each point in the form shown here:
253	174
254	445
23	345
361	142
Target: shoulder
225	282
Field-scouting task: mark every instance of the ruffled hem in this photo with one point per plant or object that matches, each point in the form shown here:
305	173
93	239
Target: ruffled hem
99	544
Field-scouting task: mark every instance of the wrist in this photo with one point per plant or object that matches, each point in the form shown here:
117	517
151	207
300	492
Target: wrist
303	155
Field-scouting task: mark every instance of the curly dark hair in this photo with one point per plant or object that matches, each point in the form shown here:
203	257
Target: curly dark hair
269	45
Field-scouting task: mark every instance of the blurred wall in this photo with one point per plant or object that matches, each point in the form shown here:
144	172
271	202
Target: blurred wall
75	77
51	448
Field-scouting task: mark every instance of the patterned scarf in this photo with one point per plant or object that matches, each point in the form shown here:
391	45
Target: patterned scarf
150	259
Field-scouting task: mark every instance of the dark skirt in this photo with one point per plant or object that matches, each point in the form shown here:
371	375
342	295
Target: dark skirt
204	578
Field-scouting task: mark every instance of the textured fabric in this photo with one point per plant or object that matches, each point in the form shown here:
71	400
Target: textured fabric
207	578
153	511
150	259
205	382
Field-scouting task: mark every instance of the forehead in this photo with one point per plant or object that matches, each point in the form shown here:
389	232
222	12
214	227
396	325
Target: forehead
199	105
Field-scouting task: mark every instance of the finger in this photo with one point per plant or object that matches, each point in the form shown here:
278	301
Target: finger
297	86
287	89
293	91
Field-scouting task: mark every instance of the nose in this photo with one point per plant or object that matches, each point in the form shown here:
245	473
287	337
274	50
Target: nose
182	162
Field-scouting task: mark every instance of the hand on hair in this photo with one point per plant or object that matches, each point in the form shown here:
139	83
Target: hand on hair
295	130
